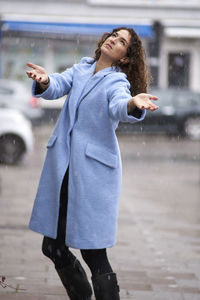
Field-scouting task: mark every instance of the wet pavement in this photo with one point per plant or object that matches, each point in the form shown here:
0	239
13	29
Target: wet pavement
157	256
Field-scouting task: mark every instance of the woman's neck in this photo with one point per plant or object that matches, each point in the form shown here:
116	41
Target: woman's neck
102	63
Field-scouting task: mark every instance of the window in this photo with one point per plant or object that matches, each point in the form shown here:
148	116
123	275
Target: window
178	69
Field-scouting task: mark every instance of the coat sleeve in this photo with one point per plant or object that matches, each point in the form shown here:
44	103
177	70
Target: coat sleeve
60	85
119	96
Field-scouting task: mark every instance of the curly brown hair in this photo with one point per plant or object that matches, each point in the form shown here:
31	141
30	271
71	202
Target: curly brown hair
136	69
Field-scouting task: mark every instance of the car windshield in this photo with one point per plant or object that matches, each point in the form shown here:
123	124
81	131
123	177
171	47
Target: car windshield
188	98
165	97
176	98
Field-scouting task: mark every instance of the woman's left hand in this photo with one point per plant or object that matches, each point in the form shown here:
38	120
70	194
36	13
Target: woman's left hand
142	101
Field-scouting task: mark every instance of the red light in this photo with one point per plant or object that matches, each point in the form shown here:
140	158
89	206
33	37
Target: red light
34	102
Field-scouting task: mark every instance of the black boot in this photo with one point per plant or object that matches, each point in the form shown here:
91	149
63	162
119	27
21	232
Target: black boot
106	287
75	281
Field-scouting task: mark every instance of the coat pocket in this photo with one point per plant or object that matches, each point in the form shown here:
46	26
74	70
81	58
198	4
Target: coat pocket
51	141
102	155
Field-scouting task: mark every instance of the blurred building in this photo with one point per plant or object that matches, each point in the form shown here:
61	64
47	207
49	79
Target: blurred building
55	34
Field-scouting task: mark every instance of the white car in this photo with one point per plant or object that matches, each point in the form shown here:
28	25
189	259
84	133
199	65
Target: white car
15	95
16	136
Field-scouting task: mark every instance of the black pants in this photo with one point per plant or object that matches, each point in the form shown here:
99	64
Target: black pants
60	254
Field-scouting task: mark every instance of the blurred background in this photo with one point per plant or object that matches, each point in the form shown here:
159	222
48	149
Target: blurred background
161	154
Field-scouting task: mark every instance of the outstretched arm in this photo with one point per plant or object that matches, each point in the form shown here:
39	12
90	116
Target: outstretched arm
125	108
50	87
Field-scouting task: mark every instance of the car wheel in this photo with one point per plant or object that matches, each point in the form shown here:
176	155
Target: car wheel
12	148
192	128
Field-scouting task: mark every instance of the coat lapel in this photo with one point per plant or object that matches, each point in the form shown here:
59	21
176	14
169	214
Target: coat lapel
82	78
93	81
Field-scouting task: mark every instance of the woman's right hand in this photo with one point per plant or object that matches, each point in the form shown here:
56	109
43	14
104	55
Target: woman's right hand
37	73
142	101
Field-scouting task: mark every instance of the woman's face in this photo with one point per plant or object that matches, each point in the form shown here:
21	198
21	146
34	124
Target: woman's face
115	47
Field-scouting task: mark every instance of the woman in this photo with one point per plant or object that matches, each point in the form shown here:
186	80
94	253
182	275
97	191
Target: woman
77	200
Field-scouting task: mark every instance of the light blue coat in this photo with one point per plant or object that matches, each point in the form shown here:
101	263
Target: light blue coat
84	140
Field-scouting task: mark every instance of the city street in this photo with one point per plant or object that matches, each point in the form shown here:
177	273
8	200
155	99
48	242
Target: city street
157	256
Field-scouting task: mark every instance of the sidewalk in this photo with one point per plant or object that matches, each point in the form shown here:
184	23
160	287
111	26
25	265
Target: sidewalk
157	256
